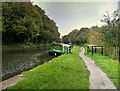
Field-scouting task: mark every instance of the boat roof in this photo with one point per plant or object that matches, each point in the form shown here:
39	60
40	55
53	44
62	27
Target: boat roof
67	45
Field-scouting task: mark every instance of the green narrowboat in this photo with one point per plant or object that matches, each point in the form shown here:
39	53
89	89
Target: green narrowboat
56	49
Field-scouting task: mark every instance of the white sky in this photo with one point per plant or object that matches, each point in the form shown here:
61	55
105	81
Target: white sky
75	15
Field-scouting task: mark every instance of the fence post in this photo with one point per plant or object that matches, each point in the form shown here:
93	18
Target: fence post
102	50
95	49
69	49
92	50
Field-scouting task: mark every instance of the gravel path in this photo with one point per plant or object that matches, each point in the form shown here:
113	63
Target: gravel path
98	79
11	81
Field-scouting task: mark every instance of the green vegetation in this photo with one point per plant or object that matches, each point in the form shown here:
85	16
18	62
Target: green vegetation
109	66
78	37
67	71
24	23
13	47
106	36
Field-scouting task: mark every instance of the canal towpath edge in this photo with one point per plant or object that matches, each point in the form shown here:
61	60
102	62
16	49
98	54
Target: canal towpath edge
98	79
11	81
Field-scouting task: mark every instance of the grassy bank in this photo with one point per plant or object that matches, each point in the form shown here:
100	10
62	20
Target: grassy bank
12	47
109	66
64	72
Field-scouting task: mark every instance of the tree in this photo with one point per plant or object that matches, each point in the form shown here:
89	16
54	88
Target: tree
24	23
78	37
111	31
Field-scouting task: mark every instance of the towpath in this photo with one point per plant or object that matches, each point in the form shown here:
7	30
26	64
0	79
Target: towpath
11	81
98	79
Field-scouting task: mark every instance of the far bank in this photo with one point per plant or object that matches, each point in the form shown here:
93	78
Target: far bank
21	46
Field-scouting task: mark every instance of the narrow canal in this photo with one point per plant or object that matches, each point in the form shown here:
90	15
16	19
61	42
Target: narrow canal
15	62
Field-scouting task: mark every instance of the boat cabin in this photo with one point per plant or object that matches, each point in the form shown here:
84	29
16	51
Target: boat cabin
56	49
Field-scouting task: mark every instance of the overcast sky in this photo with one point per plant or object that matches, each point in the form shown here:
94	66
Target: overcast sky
75	15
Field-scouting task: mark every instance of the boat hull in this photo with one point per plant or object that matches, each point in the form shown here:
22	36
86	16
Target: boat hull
54	54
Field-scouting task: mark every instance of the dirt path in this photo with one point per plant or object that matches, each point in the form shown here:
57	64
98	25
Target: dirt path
11	81
98	79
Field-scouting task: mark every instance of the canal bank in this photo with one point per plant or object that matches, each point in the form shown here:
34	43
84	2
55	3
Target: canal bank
67	71
14	47
15	61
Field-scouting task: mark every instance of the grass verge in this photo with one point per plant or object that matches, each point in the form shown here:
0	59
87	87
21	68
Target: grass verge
109	66
67	71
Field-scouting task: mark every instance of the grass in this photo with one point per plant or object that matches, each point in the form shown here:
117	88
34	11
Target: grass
67	71
109	66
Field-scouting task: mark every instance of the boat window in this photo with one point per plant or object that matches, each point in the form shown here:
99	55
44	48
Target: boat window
58	47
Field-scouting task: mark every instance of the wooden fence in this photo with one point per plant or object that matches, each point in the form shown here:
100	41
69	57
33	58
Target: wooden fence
112	52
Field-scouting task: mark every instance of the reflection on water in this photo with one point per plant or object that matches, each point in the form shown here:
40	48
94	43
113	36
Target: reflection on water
15	62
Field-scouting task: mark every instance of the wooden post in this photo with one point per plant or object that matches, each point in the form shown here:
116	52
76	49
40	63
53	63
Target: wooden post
102	50
92	50
69	49
95	49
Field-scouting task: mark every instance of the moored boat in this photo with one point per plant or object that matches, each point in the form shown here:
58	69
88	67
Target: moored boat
56	49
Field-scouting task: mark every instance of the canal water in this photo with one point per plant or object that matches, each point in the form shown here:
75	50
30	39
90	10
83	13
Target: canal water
15	62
